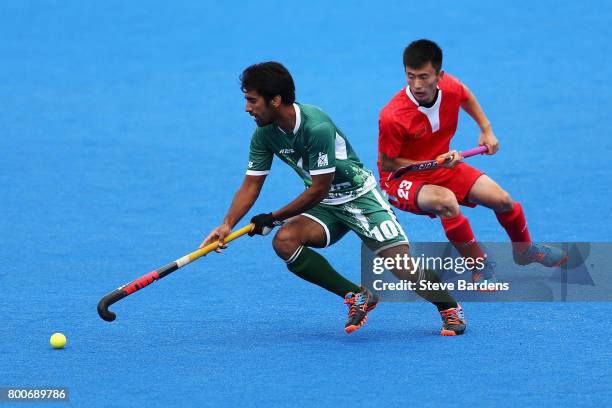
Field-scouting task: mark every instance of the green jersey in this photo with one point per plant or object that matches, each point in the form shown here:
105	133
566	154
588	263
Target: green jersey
316	146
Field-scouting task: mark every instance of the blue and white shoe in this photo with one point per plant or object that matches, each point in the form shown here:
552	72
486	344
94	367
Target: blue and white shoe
486	274
543	254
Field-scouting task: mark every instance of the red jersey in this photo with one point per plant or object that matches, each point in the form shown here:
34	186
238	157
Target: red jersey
414	132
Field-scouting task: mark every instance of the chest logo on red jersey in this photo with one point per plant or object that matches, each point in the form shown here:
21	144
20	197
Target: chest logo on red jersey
420	133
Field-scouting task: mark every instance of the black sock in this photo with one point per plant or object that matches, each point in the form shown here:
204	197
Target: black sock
441	298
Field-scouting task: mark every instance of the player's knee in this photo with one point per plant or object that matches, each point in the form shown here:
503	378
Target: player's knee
504	202
446	204
286	242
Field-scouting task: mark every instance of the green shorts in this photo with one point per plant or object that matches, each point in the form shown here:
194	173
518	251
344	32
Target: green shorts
369	216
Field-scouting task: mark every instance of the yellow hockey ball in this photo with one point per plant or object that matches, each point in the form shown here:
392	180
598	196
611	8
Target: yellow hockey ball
57	340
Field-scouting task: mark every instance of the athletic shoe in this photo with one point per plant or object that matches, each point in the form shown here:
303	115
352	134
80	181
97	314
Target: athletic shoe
359	305
487	273
453	321
542	254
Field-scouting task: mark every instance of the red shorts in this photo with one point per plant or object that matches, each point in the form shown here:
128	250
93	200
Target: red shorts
403	192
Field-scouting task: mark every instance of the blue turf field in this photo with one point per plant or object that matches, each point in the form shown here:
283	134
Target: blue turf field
123	138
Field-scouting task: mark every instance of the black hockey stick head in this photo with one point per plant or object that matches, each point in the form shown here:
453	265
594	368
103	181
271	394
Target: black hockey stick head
108	300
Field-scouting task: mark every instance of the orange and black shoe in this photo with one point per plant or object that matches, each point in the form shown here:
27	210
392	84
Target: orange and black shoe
359	305
453	321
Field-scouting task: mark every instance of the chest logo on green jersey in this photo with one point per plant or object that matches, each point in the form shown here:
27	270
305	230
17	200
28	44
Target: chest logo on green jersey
286	151
322	160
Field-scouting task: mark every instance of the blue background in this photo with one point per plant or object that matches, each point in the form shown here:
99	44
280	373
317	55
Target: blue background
123	138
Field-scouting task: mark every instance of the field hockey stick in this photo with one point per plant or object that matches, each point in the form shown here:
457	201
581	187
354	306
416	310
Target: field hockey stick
145	280
432	164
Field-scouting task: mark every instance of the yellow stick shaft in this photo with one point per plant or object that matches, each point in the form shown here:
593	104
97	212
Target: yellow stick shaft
198	253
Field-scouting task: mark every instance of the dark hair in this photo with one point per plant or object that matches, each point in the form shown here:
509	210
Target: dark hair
269	79
418	53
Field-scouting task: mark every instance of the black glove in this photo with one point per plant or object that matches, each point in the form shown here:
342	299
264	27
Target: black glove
264	223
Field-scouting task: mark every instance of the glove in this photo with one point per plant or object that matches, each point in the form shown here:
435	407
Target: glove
264	224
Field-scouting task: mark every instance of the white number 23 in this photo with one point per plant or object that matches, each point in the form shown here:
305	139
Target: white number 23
404	189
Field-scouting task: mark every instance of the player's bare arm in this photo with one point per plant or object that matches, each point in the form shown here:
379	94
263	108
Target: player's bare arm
456	158
243	200
321	184
309	198
393	163
473	108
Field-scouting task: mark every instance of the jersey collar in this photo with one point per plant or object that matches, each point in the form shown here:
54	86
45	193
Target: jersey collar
413	99
298	119
432	113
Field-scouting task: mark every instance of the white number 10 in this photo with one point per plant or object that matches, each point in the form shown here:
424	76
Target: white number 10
388	228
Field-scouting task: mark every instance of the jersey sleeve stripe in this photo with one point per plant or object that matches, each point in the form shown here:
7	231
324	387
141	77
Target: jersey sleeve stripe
257	172
322	171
